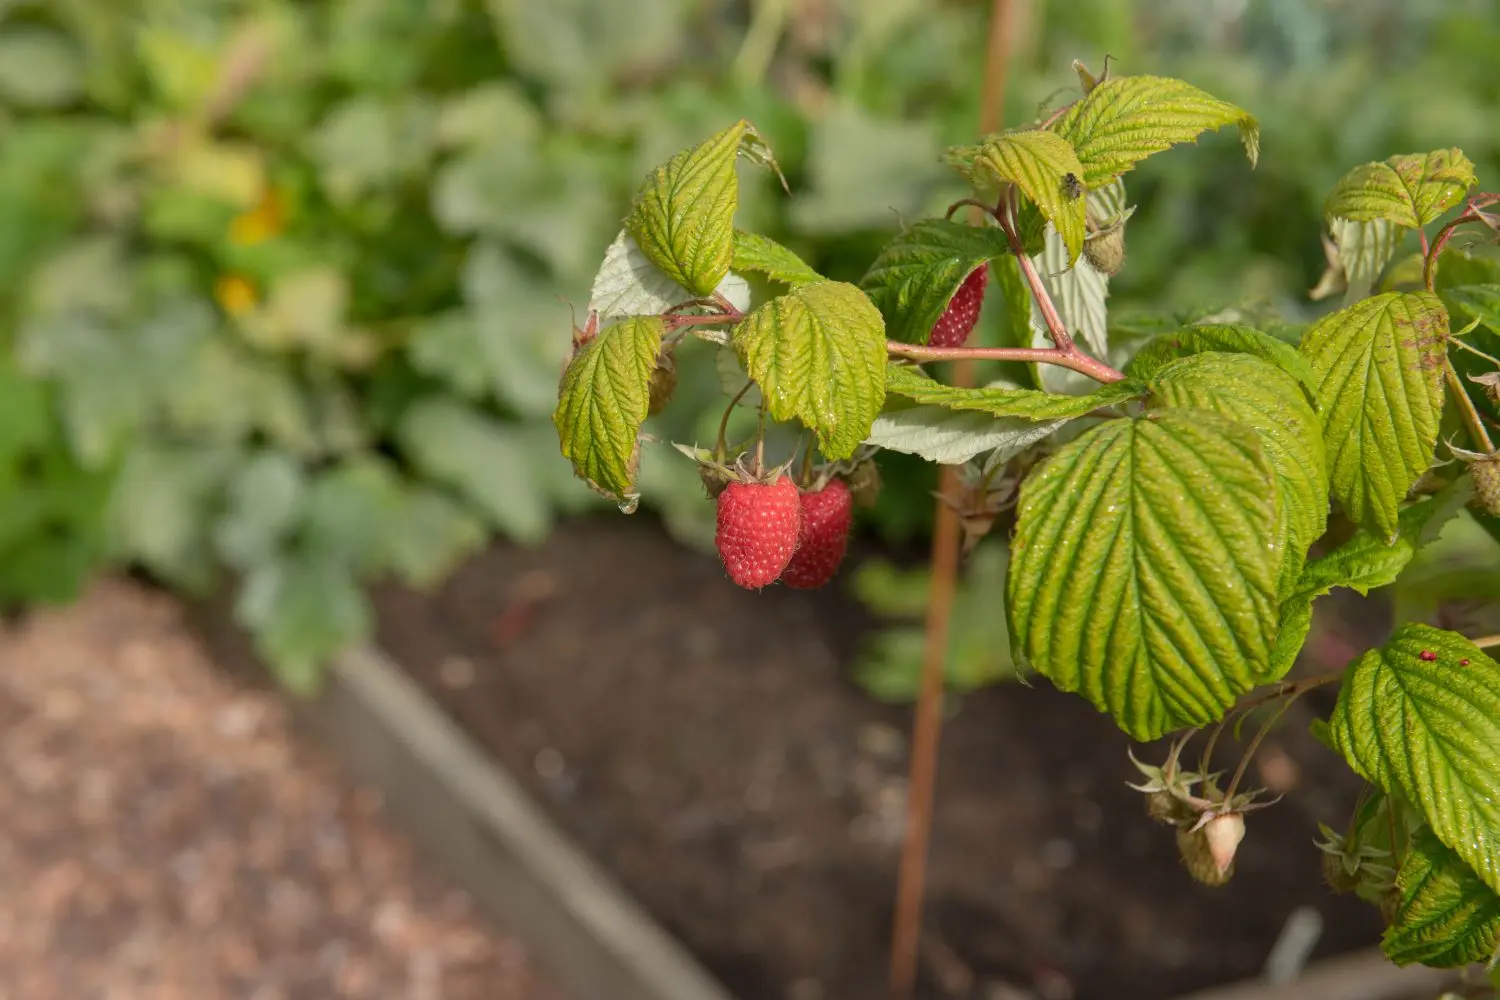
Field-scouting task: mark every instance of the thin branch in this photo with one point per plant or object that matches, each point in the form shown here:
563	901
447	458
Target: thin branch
1466	409
1071	358
719	445
1474	350
1471	213
1055	327
675	323
1265	729
1485	641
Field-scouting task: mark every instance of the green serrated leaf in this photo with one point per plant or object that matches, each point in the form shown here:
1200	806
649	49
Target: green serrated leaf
1261	396
1362	564
1410	190
1128	118
1420	717
683	216
628	284
1378	365
1143	573
953	437
762	255
818	355
1446	917
1039	163
1230	339
604	400
916	274
1029	404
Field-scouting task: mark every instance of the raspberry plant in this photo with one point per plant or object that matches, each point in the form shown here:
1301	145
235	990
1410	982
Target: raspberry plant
1163	560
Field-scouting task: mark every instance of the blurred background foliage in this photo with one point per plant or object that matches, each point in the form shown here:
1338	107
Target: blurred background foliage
284	284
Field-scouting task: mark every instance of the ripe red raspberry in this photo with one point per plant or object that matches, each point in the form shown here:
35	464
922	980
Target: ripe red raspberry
826	516
958	320
758	525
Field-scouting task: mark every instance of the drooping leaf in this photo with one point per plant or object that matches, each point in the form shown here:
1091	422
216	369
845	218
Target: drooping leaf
1410	190
629	284
1142	572
1228	338
953	437
1128	118
1378	365
1004	401
683	216
758	254
818	355
916	274
1363	563
1357	255
1446	917
1420	716
603	401
1366	561
1039	163
1261	396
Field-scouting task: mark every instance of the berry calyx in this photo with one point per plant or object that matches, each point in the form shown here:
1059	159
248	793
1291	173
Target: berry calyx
961	316
757	531
826	517
1486	472
1105	250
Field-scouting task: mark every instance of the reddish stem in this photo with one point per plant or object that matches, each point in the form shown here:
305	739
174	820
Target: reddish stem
1069	357
1471	213
675	323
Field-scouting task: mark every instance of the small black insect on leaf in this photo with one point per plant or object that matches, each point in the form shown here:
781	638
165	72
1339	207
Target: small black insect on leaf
1072	185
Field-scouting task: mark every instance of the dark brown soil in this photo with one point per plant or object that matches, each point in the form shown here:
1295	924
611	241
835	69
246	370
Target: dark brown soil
705	744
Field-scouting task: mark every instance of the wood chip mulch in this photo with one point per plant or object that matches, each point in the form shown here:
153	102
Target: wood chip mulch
167	835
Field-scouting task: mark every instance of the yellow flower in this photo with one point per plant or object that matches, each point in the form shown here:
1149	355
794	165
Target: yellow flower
235	294
262	222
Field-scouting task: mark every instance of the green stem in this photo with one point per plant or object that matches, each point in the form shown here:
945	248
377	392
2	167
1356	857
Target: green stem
1239	772
1466	409
1474	350
760	438
719	445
